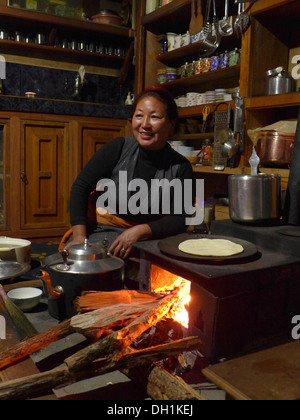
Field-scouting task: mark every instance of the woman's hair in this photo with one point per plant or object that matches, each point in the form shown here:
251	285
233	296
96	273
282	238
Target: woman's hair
164	97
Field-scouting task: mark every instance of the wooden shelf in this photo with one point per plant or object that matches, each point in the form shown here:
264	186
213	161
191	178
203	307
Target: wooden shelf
228	73
191	52
210	170
13	14
196	136
169	18
196	111
283	8
60	54
273	101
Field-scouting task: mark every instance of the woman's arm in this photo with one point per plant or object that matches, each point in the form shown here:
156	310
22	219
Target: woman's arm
122	246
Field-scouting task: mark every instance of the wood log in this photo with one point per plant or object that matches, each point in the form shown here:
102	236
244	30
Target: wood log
43	383
161	385
92	325
91	301
35	343
117	342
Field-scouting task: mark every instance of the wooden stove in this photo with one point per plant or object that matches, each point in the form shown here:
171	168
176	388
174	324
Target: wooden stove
238	307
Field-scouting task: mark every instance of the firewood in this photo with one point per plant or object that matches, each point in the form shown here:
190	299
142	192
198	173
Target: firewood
161	385
120	340
43	383
92	325
91	301
107	354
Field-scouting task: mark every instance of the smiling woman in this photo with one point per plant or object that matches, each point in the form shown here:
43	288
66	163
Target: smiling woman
145	157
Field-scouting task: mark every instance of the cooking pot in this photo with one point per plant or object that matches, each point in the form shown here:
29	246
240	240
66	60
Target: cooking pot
81	268
255	199
279	81
12	249
275	148
108	17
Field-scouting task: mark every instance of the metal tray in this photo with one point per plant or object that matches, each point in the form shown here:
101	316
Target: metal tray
169	246
12	269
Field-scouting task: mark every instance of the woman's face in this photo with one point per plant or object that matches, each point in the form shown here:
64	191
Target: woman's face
151	124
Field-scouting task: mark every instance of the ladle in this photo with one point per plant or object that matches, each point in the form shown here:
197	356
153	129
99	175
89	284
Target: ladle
225	28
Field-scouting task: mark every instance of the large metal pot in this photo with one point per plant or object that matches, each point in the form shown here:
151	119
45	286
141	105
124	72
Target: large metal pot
255	199
82	268
275	148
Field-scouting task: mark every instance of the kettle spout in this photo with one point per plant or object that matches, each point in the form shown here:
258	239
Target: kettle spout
54	293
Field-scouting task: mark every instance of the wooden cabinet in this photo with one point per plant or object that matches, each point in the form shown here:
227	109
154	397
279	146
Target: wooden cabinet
44	176
94	136
40	157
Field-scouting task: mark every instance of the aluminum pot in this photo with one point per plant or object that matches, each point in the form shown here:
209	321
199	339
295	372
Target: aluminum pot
82	268
255	199
279	81
275	148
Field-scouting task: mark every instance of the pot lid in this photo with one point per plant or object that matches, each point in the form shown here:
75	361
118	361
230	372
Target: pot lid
86	252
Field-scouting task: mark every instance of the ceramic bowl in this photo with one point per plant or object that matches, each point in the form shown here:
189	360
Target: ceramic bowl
26	298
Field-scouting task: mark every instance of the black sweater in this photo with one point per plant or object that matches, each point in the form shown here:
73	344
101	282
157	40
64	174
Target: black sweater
101	166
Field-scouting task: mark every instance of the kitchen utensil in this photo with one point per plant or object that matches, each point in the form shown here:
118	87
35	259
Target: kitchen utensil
245	19
275	148
209	36
41	39
169	246
225	28
230	148
24	327
81	268
205	112
255	199
12	249
222	120
108	17
12	269
238	29
279	81
254	162
26	298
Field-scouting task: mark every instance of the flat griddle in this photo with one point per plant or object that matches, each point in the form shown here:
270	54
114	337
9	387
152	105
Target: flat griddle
169	246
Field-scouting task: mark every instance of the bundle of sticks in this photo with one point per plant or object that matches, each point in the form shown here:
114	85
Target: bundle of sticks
110	329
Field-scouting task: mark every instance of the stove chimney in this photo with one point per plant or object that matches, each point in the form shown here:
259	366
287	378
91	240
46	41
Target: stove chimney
292	204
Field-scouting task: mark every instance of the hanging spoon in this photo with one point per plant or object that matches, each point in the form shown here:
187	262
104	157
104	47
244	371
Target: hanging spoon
224	26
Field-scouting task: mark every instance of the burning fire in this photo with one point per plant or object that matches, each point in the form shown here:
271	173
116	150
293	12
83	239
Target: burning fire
161	281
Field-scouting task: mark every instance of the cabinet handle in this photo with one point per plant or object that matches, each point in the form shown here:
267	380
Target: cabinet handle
24	178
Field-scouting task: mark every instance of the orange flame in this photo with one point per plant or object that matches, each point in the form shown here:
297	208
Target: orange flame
162	280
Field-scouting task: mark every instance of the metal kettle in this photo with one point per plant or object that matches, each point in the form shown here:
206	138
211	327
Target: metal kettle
279	81
81	268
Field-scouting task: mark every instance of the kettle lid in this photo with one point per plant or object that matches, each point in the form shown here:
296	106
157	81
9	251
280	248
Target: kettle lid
87	252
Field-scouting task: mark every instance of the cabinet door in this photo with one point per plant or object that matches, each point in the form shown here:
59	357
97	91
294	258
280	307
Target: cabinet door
45	176
93	138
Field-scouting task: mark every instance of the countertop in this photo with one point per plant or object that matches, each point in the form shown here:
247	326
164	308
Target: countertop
63	107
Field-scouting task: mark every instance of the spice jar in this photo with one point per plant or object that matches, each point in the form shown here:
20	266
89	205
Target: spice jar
207	152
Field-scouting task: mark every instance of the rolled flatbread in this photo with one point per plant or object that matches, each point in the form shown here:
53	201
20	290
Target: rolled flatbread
211	247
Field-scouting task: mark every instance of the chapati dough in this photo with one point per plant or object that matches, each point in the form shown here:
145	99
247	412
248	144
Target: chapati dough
211	247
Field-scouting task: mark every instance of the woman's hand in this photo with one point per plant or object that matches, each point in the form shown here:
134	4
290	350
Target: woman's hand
79	236
122	246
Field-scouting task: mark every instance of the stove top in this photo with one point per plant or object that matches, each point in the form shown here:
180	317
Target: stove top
283	238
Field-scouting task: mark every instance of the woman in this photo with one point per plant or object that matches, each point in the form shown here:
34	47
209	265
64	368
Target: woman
145	157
